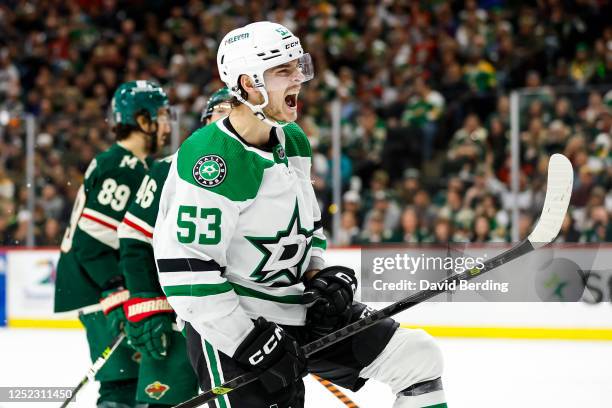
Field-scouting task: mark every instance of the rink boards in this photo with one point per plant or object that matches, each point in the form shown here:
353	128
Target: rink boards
27	283
2	289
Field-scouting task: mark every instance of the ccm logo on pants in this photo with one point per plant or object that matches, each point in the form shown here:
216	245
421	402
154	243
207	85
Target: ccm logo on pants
268	347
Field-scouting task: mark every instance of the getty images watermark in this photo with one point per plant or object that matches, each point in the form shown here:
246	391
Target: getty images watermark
35	394
557	273
412	264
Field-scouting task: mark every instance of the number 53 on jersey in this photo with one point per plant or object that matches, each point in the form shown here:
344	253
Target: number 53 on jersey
201	224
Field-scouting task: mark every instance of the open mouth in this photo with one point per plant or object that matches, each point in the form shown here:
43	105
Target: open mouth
291	100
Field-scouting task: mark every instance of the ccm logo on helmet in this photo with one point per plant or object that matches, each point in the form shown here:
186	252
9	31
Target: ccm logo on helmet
268	347
291	45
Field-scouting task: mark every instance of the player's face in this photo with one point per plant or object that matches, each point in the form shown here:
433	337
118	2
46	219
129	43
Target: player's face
163	127
219	111
283	84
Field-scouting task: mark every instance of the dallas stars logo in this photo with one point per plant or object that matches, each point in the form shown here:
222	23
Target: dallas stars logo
209	171
282	31
557	285
283	254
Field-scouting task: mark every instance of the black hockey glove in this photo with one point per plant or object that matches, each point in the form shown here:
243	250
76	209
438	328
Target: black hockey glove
329	296
269	350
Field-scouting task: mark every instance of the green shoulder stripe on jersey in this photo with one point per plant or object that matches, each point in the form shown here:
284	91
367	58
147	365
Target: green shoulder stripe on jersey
118	157
243	168
113	181
296	142
319	243
145	206
159	170
244	291
198	290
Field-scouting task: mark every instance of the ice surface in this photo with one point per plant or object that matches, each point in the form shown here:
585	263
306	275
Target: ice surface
478	373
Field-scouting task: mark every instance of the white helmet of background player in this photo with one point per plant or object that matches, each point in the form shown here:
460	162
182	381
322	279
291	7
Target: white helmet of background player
254	48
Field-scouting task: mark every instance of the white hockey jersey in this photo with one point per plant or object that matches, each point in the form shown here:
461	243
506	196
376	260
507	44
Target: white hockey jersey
237	228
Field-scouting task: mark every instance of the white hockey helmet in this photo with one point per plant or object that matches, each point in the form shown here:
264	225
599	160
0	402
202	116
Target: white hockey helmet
254	48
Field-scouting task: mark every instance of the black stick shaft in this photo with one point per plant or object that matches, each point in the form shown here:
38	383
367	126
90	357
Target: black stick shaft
517	251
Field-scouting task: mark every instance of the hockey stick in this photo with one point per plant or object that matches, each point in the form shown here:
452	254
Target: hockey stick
558	194
337	393
97	365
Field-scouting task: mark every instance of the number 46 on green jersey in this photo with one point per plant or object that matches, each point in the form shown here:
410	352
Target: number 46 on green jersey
188	222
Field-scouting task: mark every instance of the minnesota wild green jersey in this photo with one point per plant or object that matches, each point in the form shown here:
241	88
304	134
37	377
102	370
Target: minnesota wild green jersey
90	247
237	228
136	262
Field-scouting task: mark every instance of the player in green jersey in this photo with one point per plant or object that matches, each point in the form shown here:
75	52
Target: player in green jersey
88	274
217	106
165	376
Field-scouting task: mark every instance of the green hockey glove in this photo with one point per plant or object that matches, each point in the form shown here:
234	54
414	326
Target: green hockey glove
149	326
111	303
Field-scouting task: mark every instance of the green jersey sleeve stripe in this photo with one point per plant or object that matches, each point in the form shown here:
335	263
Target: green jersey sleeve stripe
197	290
319	243
244	291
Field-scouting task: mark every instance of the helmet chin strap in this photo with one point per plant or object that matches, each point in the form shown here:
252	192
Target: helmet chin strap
152	138
257	109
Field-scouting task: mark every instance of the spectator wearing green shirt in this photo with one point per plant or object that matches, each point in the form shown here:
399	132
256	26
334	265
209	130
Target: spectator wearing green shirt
582	67
478	72
424	110
374	231
468	146
365	144
410	229
598	227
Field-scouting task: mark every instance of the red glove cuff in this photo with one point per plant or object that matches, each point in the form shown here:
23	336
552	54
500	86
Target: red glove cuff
137	309
114	300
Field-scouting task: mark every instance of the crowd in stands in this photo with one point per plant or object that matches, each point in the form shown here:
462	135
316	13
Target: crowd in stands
424	92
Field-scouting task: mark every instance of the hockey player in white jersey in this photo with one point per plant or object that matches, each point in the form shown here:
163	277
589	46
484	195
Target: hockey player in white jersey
240	248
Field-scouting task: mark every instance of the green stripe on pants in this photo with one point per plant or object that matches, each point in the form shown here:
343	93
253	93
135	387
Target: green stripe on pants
214	370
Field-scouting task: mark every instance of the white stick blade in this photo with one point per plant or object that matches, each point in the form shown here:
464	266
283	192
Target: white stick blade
558	194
